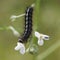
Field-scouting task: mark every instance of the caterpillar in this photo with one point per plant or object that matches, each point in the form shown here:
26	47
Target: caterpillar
28	25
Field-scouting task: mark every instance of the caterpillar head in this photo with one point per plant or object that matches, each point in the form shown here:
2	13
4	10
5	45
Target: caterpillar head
20	40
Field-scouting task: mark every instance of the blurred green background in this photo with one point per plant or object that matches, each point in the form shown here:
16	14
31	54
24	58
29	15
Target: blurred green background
48	23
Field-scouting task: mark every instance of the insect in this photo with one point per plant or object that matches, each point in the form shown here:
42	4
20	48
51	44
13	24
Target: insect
28	25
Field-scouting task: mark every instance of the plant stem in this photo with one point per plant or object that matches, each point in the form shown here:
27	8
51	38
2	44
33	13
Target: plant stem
35	22
36	14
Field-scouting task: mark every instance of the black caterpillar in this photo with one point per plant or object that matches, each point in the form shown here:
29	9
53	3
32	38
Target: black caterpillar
28	25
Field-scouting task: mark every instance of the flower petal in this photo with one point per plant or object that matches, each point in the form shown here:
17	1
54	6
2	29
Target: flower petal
17	47
37	34
22	50
20	47
45	37
13	17
15	32
40	42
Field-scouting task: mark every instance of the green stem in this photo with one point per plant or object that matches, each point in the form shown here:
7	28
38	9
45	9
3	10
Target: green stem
35	22
1	28
36	14
4	28
36	19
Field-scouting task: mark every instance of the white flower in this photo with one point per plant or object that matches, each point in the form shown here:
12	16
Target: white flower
16	33
20	47
41	37
13	17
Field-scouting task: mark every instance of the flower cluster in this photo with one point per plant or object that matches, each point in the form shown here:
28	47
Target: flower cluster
40	37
